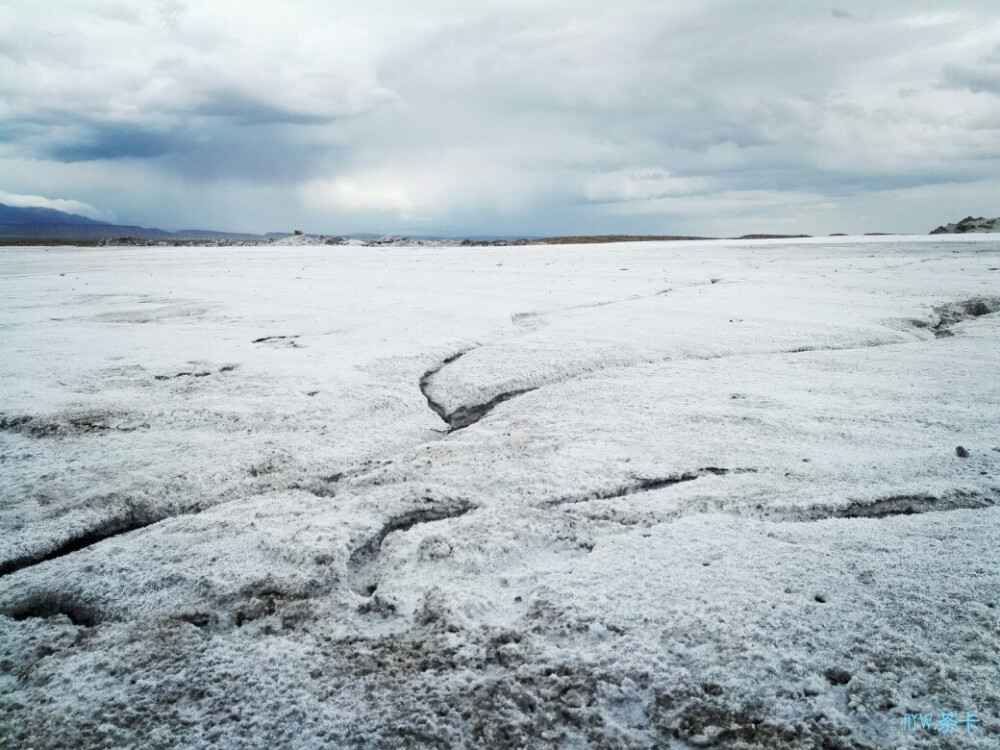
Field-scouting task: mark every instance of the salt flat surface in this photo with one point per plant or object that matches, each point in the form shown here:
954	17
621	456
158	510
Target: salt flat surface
648	494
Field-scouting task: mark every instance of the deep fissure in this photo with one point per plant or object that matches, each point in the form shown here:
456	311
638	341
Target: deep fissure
109	530
364	558
648	485
463	416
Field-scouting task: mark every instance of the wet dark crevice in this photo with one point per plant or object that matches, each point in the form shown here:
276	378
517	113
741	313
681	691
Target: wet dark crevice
50	603
647	485
139	518
906	505
951	314
68	424
364	558
195	373
463	416
947	316
262	339
425	381
881	508
108	530
186	374
53	605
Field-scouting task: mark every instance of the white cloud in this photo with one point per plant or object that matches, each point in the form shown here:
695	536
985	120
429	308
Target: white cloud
430	187
364	193
59	204
640	185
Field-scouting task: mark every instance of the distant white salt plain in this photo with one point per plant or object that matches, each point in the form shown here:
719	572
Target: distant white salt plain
722	494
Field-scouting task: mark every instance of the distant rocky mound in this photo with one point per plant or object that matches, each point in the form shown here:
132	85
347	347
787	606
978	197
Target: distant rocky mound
970	224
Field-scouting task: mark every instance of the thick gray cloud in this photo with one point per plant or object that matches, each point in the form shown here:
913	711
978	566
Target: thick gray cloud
983	77
507	116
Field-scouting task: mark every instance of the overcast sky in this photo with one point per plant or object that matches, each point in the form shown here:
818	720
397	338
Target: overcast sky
504	116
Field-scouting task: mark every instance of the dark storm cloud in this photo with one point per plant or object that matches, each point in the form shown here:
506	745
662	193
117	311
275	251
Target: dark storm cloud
198	150
264	153
101	142
246	111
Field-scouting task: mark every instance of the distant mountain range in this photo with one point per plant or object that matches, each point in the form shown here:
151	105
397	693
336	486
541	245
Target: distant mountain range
28	225
31	223
39	225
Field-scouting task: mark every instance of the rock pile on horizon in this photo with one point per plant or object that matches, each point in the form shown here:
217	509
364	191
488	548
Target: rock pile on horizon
970	224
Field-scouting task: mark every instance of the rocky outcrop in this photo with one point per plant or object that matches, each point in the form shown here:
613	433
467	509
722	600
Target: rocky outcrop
970	224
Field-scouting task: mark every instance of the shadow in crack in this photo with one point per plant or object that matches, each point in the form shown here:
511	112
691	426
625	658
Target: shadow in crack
361	564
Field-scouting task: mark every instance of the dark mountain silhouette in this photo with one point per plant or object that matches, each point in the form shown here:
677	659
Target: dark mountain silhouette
36	215
33	223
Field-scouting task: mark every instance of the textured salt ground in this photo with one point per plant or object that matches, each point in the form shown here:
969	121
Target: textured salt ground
658	544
